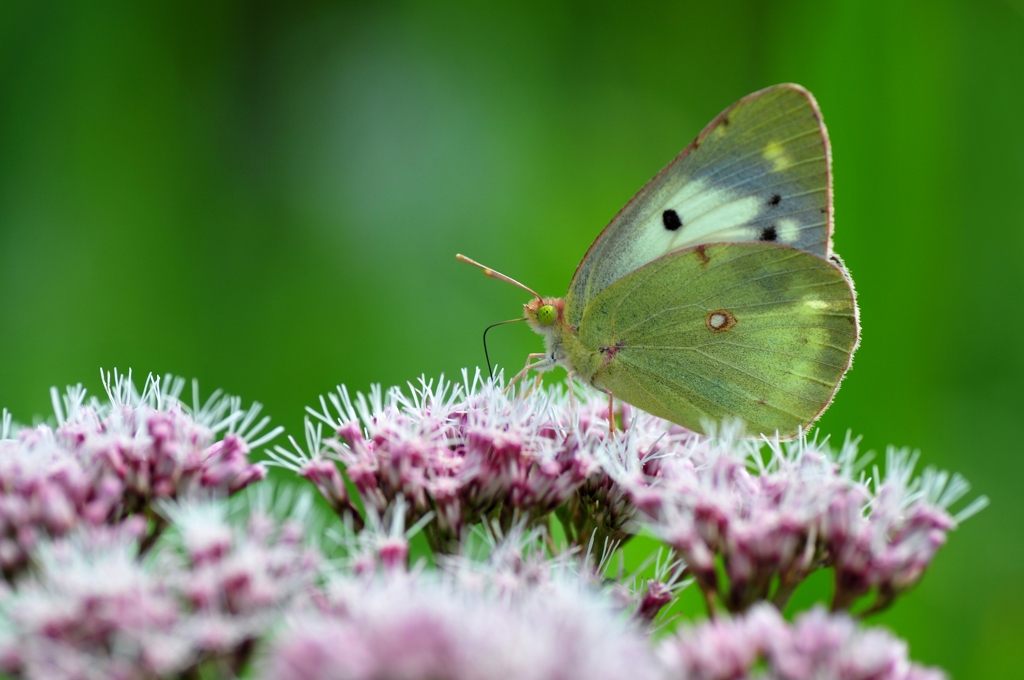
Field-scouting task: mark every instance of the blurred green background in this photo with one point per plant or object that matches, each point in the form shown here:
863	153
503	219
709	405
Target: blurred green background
268	196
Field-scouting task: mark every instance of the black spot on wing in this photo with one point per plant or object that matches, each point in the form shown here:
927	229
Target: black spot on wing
769	234
670	218
775	200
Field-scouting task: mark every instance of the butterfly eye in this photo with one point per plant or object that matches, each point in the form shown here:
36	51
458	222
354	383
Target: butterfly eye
546	315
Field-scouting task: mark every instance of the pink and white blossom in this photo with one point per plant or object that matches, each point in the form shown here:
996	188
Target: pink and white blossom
816	646
92	609
118	564
105	461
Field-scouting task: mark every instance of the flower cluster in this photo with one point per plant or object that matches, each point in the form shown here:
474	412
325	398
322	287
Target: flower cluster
516	613
473	452
817	646
502	608
430	628
773	512
92	609
217	600
106	461
119	564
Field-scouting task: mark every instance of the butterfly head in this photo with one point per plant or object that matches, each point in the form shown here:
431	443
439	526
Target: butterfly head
544	314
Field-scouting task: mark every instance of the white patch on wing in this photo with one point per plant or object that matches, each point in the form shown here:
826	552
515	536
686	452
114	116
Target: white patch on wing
707	214
789	230
719	217
690	191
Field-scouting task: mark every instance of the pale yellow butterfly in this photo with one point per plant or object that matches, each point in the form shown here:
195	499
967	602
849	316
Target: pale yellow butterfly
714	293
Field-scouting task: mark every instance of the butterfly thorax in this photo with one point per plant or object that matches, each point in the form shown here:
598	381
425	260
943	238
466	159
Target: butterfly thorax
562	344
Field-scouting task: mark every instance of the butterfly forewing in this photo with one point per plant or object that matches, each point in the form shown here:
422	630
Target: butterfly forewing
761	171
761	332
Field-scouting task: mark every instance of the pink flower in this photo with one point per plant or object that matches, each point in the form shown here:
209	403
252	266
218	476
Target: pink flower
430	628
132	576
469	451
106	461
774	517
92	609
817	646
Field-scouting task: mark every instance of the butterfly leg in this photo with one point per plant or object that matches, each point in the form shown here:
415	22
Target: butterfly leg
572	393
611	413
526	369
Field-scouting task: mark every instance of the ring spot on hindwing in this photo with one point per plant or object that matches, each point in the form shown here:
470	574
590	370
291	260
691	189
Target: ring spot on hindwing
720	320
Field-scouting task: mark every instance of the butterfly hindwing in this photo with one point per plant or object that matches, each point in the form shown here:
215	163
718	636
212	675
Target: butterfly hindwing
762	332
761	171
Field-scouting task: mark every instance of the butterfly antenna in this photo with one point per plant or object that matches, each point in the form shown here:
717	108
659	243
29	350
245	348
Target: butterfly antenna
497	275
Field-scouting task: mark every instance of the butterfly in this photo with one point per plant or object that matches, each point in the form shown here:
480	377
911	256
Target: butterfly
714	293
